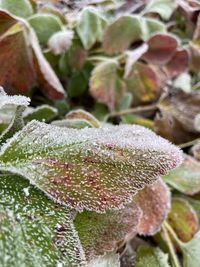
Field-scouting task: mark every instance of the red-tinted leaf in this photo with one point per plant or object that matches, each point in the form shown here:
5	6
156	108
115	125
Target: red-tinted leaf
100	233
91	168
178	112
106	86
179	63
16	72
22	61
162	47
154	201
144	83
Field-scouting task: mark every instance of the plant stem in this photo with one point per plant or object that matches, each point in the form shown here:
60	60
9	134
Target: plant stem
173	234
190	143
174	257
132	110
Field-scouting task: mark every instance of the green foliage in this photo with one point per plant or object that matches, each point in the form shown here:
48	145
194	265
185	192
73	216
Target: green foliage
90	187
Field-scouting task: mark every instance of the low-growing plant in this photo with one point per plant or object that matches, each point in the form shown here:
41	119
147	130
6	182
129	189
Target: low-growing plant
83	181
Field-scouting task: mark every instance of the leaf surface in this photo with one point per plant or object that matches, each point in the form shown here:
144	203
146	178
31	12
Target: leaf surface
34	230
91	168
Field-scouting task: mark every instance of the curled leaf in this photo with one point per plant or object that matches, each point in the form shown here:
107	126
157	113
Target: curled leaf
91	168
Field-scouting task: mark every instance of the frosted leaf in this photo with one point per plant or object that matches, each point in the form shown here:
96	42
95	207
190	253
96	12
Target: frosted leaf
11	109
82	114
91	168
17	100
34	230
108	260
60	41
100	233
41	113
154	202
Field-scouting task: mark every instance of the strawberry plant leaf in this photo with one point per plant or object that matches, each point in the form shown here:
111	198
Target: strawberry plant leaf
43	113
72	123
151	257
21	8
45	25
144	83
106	86
90	27
16	105
179	63
191	252
82	114
23	61
154	202
164	8
186	177
91	168
128	29
162	47
100	233
34	230
183	219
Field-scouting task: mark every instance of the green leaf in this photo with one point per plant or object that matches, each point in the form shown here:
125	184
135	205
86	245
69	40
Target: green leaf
91	168
125	102
34	231
45	25
72	123
191	251
108	260
21	8
164	8
151	257
186	177
16	106
100	233
106	86
90	27
183	219
126	30
41	113
82	114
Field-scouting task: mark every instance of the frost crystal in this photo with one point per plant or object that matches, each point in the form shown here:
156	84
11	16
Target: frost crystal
91	168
